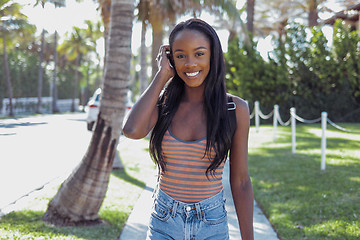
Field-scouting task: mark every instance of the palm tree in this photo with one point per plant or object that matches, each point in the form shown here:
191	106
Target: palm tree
250	10
143	16
159	12
12	21
56	3
93	33
81	195
54	88
40	79
105	6
274	16
75	47
308	9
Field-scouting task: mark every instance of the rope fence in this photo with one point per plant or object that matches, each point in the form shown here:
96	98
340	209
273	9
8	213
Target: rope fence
257	114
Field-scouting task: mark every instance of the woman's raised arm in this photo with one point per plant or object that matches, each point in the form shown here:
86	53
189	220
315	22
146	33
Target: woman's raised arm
143	115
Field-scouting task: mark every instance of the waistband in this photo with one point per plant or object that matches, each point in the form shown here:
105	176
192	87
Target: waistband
182	207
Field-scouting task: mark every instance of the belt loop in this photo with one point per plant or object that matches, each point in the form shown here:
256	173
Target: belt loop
198	211
174	208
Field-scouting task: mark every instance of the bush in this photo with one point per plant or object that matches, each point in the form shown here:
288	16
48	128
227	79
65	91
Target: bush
302	72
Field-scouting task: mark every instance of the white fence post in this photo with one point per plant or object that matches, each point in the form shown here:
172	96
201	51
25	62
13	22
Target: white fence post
323	140
257	119
293	129
275	120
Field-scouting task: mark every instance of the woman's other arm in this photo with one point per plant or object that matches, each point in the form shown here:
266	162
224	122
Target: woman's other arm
240	181
143	115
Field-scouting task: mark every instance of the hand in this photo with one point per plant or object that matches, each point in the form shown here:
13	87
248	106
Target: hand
163	61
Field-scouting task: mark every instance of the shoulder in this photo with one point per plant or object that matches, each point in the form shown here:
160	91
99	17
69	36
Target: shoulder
241	105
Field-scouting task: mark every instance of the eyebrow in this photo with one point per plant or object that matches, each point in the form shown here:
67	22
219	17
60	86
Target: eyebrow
198	48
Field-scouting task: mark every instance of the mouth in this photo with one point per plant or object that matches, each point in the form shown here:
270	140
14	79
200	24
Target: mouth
193	74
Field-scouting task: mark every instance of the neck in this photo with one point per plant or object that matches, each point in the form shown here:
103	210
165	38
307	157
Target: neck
194	94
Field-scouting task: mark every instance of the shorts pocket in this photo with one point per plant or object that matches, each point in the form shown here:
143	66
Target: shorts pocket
215	215
160	211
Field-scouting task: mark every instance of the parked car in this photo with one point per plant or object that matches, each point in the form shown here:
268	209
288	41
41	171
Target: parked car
94	105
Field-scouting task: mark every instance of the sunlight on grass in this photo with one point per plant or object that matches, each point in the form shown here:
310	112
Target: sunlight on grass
301	201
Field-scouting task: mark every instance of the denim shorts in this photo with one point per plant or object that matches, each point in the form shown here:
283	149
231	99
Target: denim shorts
172	219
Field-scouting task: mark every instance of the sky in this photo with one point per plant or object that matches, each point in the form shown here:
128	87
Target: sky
74	14
60	19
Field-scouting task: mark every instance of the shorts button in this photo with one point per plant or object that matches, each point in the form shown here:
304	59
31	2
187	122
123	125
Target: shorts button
188	208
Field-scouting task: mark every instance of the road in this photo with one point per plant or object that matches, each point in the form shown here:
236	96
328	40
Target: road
38	149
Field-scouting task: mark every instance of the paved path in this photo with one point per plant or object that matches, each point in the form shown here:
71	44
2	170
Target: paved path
136	226
36	150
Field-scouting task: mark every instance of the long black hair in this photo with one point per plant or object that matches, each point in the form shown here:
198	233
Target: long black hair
219	132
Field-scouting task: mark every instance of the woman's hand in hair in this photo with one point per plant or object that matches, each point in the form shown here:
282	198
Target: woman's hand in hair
163	60
144	114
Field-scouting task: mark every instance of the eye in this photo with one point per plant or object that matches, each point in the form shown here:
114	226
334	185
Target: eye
180	56
199	54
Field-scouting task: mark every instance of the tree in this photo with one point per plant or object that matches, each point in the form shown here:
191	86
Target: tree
347	61
105	6
81	195
143	16
75	48
94	32
253	78
57	3
54	88
12	21
250	10
159	13
41	71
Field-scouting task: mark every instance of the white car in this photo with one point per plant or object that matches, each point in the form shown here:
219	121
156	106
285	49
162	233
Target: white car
94	105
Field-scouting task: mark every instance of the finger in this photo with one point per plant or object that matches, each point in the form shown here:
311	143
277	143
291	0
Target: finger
167	48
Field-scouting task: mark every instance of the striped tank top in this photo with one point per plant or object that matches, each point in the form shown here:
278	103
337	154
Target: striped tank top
185	177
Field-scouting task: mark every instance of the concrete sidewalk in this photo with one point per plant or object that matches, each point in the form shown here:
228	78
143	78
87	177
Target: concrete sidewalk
136	225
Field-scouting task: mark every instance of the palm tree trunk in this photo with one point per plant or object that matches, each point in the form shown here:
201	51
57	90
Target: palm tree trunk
7	75
250	9
143	53
156	20
81	195
76	83
98	78
54	88
313	13
40	79
87	89
105	6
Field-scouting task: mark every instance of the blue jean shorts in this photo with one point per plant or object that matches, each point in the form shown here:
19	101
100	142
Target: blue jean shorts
172	219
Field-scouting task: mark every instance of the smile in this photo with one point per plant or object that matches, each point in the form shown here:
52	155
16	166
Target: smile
193	74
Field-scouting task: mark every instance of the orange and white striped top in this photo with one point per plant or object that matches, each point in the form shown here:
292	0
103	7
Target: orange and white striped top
185	176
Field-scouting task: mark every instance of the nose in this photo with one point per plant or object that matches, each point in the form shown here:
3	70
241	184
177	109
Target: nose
190	62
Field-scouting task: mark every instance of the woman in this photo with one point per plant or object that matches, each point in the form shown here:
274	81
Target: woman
194	125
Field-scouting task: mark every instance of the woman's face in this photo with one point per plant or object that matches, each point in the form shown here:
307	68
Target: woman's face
191	53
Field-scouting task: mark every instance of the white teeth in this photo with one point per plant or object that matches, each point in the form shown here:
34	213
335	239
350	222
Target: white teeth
192	74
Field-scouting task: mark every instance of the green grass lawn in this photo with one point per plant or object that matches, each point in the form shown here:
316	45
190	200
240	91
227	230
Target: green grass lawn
124	189
300	200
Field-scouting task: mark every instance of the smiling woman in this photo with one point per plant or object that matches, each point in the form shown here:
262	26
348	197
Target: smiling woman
191	58
193	130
